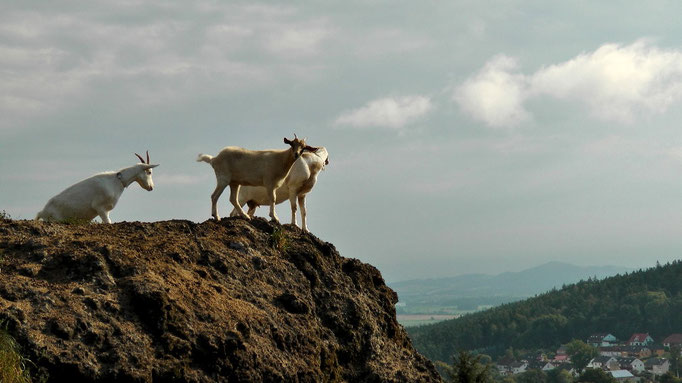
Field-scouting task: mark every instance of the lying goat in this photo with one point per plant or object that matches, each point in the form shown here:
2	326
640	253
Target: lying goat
96	195
297	185
236	166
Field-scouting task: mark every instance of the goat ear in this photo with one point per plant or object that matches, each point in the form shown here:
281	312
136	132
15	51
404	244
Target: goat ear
148	166
140	157
286	141
310	148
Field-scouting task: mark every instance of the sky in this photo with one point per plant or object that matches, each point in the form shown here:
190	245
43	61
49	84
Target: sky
464	136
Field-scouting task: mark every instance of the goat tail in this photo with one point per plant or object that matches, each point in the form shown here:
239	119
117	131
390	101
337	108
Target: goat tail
204	157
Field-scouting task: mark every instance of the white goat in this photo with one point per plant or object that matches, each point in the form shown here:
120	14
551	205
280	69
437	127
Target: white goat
236	166
297	184
96	195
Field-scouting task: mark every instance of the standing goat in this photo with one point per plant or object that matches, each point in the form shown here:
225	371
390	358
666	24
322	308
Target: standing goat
297	184
96	195
236	166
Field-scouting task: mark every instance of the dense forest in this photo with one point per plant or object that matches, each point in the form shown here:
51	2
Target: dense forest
642	301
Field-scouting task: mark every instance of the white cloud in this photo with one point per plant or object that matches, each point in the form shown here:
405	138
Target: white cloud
494	95
390	112
614	83
297	40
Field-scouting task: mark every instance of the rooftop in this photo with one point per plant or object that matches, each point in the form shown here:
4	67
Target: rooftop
621	374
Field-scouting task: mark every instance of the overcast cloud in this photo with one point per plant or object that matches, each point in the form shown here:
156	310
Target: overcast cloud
613	83
390	112
463	136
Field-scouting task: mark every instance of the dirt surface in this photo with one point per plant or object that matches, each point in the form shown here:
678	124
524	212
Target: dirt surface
177	301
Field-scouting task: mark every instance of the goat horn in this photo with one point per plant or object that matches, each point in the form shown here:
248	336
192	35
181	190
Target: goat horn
140	157
295	138
147	157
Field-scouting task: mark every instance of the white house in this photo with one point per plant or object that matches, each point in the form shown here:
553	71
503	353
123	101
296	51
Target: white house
614	351
604	362
518	367
601	339
511	367
657	366
631	364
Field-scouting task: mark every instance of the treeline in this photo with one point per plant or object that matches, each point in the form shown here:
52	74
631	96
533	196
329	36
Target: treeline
643	301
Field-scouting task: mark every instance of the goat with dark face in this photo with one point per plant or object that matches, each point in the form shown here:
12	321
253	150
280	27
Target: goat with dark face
297	184
235	166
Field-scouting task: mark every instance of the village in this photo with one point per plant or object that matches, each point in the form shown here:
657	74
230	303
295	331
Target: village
640	358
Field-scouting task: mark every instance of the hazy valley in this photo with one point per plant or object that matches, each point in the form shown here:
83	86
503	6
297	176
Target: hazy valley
426	301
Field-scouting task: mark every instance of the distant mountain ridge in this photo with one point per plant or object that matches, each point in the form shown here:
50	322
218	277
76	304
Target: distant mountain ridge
525	283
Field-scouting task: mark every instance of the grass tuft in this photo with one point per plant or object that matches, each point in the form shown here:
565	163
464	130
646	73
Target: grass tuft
279	239
76	221
12	364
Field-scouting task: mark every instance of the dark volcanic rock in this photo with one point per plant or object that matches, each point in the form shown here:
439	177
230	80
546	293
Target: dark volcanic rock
177	301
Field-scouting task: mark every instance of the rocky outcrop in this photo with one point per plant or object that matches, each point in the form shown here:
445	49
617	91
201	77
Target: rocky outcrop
177	301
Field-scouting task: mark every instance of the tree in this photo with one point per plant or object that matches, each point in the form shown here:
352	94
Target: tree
596	375
558	375
668	377
510	354
532	376
467	368
675	360
581	353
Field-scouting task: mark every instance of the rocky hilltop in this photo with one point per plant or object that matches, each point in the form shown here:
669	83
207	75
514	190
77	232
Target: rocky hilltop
177	301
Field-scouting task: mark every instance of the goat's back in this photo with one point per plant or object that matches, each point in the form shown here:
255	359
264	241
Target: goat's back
251	167
76	200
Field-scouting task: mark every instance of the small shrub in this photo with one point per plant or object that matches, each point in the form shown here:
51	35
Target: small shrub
12	364
279	239
5	215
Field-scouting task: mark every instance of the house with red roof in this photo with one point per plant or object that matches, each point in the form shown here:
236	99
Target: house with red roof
673	340
640	340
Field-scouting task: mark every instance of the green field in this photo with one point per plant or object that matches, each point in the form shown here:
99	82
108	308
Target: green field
411	320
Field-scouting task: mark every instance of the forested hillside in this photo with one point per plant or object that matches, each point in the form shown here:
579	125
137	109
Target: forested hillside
642	301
